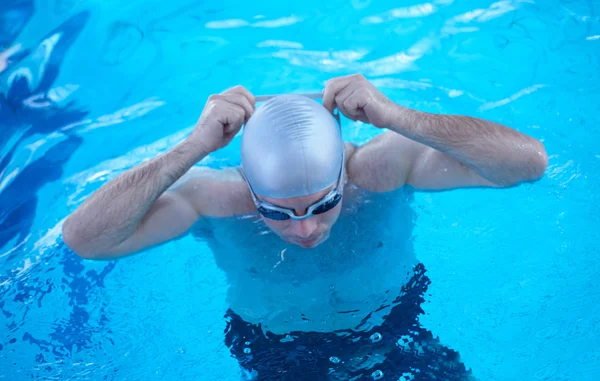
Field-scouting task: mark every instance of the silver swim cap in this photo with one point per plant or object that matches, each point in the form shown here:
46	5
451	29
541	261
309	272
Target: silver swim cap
291	147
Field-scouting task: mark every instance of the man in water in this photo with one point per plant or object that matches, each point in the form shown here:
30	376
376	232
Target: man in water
326	313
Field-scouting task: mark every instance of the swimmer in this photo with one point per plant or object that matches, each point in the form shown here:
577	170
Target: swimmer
294	270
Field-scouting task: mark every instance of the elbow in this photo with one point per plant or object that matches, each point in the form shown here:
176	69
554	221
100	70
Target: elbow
535	165
73	238
539	162
531	168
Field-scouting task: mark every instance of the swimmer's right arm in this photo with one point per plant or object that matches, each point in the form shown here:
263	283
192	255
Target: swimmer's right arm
134	211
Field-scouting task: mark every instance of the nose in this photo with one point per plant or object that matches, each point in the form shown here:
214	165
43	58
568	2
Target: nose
304	228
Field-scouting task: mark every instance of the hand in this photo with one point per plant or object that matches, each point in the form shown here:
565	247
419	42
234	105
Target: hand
358	99
222	117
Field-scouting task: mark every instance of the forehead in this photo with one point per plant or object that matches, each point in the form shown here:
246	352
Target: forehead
301	201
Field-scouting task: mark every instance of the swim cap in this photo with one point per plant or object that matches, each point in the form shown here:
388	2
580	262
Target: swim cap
291	147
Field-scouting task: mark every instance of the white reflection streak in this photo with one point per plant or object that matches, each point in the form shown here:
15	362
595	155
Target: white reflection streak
106	170
280	44
48	239
16	247
320	59
453	93
8	178
346	59
120	116
394	83
592	38
226	24
283	21
238	23
495	10
55	96
502	102
419	10
7	53
398	62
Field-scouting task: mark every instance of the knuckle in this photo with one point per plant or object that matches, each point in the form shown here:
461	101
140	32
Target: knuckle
331	82
234	97
237	90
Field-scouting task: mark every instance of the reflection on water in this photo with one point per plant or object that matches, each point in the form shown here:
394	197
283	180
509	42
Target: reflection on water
122	40
31	108
18	200
14	15
236	23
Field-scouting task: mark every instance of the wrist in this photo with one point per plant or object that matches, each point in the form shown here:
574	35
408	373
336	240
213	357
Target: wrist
402	119
189	152
198	145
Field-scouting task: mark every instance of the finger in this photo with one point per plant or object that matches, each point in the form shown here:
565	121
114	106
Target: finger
356	101
240	100
347	108
234	120
336	85
242	90
332	88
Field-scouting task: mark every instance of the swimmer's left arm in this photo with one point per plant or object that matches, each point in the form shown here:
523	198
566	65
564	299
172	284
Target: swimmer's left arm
454	151
430	151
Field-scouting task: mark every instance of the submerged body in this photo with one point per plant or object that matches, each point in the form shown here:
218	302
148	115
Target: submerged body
347	309
284	287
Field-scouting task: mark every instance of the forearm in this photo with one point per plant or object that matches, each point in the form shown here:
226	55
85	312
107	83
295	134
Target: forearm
112	213
500	154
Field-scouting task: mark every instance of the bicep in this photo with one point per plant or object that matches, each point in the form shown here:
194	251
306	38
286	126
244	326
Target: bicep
434	170
382	164
170	216
202	192
390	160
215	193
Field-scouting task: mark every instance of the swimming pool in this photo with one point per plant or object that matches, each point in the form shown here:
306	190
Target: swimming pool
513	272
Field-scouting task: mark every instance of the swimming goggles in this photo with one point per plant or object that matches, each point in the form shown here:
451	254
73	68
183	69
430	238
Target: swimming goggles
279	213
325	204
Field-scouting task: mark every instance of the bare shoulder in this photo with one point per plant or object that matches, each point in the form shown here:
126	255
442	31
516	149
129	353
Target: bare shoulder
383	163
215	192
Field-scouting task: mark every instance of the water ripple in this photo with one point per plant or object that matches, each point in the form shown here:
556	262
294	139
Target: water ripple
505	101
280	44
238	23
419	10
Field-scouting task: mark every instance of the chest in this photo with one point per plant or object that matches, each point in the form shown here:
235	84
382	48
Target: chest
358	269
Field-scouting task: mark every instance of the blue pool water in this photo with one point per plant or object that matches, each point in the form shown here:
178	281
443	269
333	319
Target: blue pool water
93	88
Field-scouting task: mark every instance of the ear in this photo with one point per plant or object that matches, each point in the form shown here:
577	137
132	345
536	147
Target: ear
349	151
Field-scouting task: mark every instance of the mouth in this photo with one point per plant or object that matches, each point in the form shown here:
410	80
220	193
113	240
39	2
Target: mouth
308	243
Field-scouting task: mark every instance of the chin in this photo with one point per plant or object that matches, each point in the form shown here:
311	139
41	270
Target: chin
307	245
312	243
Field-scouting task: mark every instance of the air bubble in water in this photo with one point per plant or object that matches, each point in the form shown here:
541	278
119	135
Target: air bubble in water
334	359
247	343
376	337
377	375
247	351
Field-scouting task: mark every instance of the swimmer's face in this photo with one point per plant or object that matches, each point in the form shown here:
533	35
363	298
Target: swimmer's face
306	233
